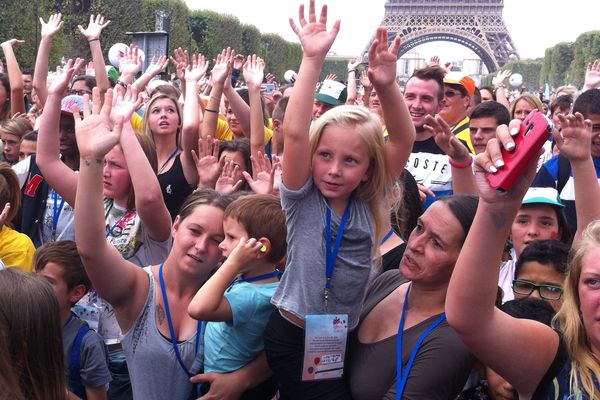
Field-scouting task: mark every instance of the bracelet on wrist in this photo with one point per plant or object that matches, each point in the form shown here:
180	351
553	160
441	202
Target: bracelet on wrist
121	83
351	70
92	40
212	111
459	165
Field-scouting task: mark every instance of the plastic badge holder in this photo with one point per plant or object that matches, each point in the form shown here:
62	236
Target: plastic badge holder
534	132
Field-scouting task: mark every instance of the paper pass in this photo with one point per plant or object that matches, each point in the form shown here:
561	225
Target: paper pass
324	346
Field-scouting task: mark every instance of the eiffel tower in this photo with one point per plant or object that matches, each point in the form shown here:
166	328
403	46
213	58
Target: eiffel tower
475	24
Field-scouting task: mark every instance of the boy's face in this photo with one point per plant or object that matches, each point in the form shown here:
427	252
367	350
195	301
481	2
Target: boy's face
540	274
53	273
234	231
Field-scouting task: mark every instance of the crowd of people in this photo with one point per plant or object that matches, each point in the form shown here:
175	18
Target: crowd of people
216	234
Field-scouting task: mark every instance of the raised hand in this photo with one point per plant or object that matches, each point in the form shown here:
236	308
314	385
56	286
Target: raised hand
364	80
331	77
157	65
124	103
592	75
501	77
575	137
63	76
238	61
264	174
445	139
51	28
314	37
254	71
434	60
180	60
94	136
197	69
131	62
226	183
246	251
94	28
12	43
382	59
207	163
353	63
222	68
270	78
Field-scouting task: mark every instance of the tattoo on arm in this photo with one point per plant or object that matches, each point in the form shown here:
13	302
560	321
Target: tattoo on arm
160	313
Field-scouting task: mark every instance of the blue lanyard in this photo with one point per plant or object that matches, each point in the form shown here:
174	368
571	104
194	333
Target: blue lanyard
331	254
112	228
261	277
401	378
168	159
56	212
171	329
387	236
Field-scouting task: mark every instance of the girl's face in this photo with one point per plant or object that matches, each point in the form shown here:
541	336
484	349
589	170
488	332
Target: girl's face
196	240
534	222
234	123
163	118
589	297
237	159
433	246
340	164
486	95
522	109
116	179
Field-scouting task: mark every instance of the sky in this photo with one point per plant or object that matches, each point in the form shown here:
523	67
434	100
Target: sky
534	25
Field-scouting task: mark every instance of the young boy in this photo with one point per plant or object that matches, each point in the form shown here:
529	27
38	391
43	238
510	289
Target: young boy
236	299
86	359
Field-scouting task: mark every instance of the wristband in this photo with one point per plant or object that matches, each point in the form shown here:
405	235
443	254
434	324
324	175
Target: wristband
212	111
121	83
351	70
89	41
458	165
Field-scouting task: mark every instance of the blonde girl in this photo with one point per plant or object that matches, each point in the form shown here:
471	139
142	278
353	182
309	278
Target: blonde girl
334	177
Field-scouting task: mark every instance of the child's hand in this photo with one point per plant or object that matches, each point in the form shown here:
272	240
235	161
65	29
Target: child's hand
245	252
382	59
313	35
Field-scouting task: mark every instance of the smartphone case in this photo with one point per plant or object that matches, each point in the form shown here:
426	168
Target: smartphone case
534	132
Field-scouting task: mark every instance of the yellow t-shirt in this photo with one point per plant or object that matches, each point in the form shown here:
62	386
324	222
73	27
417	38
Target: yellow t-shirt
223	131
16	249
461	131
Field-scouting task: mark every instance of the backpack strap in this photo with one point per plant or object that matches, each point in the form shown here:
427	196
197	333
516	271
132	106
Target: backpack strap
75	384
564	172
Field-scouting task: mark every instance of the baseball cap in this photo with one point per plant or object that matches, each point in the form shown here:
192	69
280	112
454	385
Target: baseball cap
543	195
458	78
332	92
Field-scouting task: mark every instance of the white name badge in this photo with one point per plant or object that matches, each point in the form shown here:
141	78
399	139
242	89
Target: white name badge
324	346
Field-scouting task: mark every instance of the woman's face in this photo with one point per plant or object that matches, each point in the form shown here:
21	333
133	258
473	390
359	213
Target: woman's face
486	95
116	179
433	246
534	222
234	123
163	118
522	109
196	240
589	297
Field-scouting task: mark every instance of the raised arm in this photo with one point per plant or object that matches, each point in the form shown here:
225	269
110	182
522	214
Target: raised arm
463	180
157	66
17	103
316	42
592	76
130	65
500	87
519	350
149	202
120	282
382	74
58	175
574	141
253	75
237	104
191	116
219	74
352	74
92	34
49	30
209	303
367	88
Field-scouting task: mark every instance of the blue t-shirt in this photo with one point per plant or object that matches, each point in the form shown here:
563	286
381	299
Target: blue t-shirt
228	346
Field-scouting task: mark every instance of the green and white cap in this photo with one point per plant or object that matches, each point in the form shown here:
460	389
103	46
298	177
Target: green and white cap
544	195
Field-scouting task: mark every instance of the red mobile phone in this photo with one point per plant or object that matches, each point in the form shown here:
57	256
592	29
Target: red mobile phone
534	132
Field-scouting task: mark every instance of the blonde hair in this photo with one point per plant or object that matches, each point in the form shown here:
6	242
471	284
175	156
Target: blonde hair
146	131
368	126
533	101
584	365
16	126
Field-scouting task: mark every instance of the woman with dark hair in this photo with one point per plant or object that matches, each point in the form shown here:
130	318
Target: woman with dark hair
31	352
431	360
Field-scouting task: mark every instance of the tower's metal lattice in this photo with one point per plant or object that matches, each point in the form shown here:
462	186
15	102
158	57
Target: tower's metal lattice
476	24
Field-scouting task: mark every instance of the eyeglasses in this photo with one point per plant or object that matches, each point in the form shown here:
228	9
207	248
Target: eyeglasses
547	292
451	93
80	92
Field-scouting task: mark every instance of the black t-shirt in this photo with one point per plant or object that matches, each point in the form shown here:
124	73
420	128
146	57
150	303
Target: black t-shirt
175	188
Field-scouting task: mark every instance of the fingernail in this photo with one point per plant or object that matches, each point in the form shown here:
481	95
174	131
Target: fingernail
263	249
509	146
499	163
493	169
514	131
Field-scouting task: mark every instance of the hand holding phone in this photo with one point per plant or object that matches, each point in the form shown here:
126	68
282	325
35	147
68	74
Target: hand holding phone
534	132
